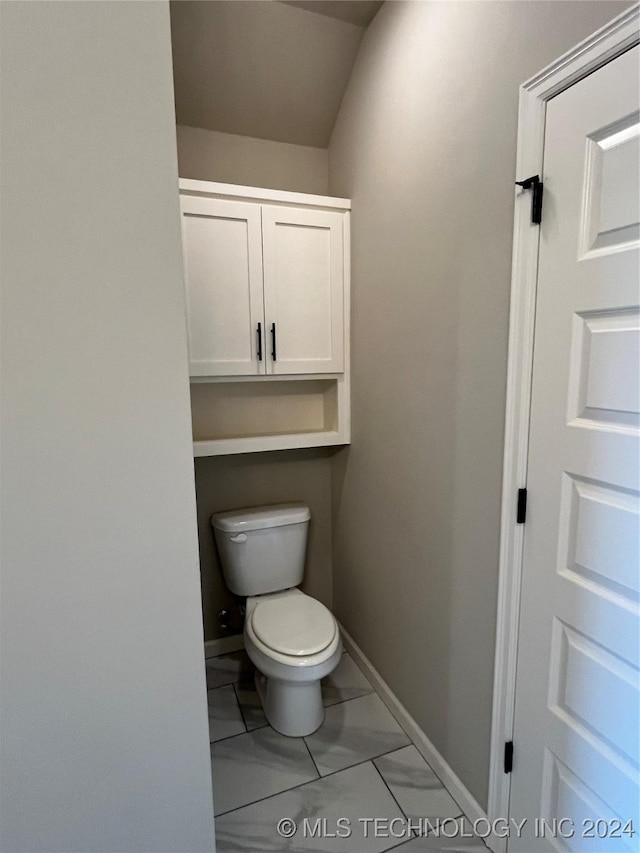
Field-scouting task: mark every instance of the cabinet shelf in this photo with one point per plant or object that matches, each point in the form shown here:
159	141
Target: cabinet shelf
252	416
258	444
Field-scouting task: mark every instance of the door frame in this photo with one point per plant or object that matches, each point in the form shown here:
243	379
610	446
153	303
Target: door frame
616	37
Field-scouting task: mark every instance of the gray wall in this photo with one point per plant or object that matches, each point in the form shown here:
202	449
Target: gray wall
207	155
104	718
251	479
425	146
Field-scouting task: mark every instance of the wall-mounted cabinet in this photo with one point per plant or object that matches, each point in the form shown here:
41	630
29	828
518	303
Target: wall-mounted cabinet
267	296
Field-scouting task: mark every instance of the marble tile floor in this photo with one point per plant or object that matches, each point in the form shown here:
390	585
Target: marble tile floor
359	766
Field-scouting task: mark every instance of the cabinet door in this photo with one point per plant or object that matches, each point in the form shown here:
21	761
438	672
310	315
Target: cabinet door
303	261
223	276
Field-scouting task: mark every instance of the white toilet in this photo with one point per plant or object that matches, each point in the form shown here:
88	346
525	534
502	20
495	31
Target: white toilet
292	639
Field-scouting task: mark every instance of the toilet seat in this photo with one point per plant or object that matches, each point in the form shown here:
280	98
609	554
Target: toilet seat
295	626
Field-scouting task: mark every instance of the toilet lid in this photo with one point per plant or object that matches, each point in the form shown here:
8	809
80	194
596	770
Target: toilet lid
295	625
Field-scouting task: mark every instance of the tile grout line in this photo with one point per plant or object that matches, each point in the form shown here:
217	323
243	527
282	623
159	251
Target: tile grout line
396	801
237	680
248	731
244	722
351	698
214	719
264	799
266	725
313	761
371	691
371	759
414	834
219	686
333	704
411	741
461	816
303	784
294	788
235	683
407	841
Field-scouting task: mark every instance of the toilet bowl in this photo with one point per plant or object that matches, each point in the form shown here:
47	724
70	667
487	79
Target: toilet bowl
294	642
292	638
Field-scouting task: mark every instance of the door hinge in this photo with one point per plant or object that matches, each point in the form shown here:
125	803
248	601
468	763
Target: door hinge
535	184
508	756
521	512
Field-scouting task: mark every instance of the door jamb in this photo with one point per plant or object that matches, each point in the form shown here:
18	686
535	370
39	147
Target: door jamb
605	44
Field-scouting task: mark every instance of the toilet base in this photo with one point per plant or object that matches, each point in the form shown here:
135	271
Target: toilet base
293	708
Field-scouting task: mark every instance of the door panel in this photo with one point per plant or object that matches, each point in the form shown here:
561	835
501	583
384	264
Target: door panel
610	215
223	273
578	692
303	286
604	373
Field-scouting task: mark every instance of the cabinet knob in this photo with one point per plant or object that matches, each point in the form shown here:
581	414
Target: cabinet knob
259	330
273	341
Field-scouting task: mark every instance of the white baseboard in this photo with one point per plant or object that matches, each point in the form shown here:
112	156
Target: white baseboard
223	646
443	771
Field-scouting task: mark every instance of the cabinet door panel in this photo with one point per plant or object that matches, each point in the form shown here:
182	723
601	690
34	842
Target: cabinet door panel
304	289
223	273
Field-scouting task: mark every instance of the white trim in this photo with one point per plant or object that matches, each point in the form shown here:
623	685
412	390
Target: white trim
344	384
258	444
460	793
235	191
261	378
223	646
607	43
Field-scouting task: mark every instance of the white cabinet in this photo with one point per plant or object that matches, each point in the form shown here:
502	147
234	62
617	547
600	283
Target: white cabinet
265	287
222	247
303	264
267	302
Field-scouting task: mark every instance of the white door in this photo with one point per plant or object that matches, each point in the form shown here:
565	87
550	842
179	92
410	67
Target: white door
577	712
223	275
303	289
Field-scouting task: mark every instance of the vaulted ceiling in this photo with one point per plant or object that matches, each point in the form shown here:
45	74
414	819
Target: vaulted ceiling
360	12
272	70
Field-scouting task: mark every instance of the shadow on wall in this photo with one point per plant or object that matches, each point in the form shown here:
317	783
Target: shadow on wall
254	479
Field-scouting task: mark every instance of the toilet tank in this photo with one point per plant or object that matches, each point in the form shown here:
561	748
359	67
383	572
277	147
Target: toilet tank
262	549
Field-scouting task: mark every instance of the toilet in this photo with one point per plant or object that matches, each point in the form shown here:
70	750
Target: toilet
292	639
